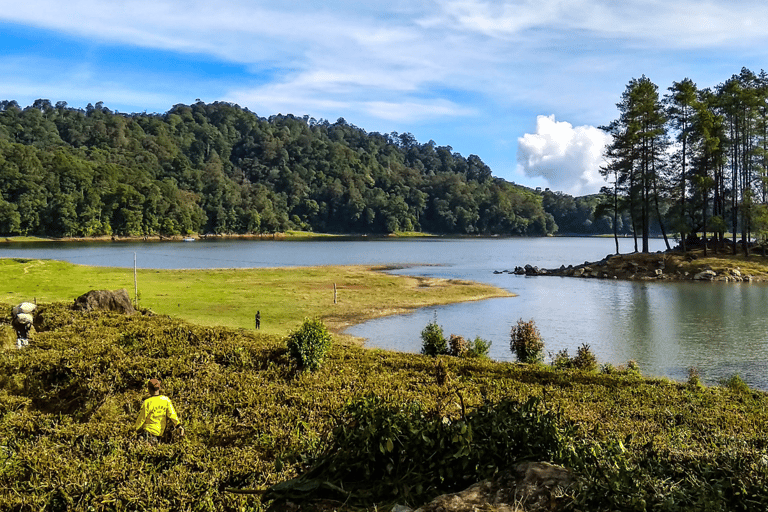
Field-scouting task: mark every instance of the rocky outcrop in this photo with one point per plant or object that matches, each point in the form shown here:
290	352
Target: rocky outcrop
529	486
105	300
670	266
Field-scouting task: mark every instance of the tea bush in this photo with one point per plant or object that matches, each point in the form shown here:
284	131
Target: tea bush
379	449
309	344
526	342
68	403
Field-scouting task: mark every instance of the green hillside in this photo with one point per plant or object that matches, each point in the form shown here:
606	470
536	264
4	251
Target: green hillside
218	168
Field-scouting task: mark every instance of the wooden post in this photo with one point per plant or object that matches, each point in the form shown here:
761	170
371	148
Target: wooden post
334	293
135	283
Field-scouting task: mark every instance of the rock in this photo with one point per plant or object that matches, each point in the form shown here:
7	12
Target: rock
528	486
105	300
706	275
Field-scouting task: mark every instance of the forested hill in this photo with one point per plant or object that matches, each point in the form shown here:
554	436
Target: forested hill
219	168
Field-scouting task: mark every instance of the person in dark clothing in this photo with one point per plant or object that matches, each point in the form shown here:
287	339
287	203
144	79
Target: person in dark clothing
258	320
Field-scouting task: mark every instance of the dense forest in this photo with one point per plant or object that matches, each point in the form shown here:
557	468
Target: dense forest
218	168
693	161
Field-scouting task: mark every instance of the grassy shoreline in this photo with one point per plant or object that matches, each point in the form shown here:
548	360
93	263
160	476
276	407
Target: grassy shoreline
284	235
231	297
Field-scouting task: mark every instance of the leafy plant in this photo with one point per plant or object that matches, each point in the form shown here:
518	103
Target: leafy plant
694	377
585	359
309	344
561	360
526	342
459	345
478	348
380	450
433	342
735	383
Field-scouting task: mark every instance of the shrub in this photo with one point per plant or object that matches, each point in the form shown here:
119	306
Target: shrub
309	344
694	377
478	348
526	342
585	359
433	340
381	450
561	360
735	383
633	367
459	345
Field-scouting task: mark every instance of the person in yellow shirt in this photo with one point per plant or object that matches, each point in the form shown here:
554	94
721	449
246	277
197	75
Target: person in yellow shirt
154	413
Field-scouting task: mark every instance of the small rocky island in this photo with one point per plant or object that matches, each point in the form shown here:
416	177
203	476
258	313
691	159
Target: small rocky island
671	266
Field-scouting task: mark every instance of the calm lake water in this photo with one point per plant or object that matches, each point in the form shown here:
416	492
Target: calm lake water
719	328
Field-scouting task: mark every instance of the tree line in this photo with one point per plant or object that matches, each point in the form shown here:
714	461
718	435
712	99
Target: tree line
219	168
693	162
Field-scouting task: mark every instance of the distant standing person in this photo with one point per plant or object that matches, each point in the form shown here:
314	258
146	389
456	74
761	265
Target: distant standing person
258	320
154	413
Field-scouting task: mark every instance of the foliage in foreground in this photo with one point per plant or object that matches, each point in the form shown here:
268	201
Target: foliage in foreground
253	420
383	451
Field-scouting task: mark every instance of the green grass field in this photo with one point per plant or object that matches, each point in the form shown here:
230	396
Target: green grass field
231	297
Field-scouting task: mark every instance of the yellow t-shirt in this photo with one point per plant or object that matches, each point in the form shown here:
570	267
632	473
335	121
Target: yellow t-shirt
153	415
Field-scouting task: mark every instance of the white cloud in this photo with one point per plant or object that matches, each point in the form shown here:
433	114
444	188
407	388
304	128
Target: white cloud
567	157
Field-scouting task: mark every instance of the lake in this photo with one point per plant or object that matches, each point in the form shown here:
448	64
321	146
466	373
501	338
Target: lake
719	328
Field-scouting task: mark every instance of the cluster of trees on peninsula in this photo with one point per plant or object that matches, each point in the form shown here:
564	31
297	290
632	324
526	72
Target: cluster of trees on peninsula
693	161
219	168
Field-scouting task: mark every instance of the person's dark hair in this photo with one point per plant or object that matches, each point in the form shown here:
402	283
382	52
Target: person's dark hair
153	385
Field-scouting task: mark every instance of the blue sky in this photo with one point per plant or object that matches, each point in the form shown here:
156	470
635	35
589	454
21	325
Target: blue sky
522	84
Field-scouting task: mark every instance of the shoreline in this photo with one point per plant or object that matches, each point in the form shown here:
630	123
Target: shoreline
671	266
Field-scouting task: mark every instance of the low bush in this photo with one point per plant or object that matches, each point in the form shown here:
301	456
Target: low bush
459	345
736	384
309	344
478	348
694	377
526	342
583	360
